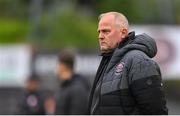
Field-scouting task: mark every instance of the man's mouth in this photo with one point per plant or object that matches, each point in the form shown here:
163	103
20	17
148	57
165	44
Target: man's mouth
103	43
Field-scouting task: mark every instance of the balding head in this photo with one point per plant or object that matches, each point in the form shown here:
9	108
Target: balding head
120	20
112	29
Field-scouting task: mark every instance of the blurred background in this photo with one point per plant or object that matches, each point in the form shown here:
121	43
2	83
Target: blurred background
33	33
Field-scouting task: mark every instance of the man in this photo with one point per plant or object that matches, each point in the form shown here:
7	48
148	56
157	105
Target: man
32	101
73	97
128	81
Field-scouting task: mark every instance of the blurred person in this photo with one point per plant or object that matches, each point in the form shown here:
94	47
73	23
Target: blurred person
74	89
32	101
128	81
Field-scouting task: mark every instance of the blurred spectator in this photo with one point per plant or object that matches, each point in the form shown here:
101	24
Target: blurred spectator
32	102
73	96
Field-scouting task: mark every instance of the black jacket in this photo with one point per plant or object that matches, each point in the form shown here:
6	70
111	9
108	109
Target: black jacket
73	96
128	81
31	103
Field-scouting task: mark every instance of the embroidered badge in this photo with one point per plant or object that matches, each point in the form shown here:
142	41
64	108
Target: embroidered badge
119	68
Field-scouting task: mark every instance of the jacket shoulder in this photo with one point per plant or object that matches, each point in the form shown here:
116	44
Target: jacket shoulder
79	84
140	65
136	55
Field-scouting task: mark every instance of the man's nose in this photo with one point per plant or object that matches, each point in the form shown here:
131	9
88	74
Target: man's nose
101	36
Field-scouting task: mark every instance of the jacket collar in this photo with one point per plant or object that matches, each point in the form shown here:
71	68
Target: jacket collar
127	40
64	83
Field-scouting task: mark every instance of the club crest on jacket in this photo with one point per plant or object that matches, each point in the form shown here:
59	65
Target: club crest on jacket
119	68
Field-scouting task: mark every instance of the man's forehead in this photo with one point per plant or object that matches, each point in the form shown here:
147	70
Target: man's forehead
106	21
101	27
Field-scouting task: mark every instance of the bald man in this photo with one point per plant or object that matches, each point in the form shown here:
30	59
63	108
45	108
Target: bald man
128	81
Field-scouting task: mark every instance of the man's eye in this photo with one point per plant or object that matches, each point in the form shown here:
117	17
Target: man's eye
105	31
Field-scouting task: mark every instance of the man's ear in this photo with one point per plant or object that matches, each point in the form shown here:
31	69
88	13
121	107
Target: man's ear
124	33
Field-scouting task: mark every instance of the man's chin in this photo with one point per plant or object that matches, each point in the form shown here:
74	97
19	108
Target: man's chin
103	50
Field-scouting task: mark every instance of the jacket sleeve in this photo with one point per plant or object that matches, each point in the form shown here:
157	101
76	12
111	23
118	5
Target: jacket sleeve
146	87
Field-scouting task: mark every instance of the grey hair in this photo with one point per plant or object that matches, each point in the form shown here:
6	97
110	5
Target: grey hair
120	19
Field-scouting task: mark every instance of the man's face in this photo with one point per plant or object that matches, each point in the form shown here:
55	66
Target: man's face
32	85
62	71
109	34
